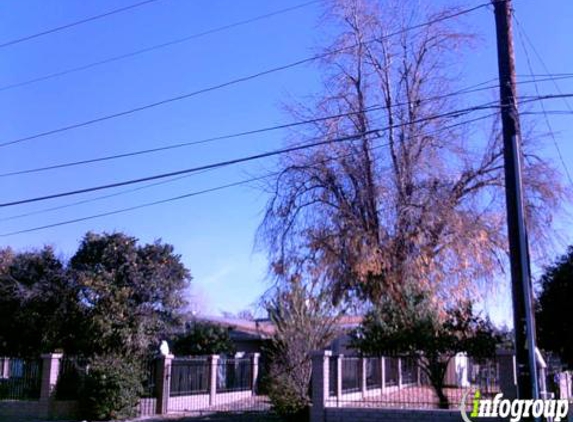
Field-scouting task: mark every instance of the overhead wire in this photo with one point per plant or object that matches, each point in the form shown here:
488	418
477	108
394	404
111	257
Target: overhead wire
154	47
236	160
205	191
468	90
75	23
233	81
522	38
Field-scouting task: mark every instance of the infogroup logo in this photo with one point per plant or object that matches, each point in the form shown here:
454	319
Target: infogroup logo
515	410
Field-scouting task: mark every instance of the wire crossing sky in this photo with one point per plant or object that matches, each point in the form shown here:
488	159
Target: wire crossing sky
93	95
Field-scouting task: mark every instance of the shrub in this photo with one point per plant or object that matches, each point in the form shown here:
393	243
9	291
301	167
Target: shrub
112	388
289	397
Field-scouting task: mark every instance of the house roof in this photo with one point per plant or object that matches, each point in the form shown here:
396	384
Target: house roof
264	328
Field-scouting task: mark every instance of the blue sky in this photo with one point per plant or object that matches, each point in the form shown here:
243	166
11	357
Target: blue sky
214	233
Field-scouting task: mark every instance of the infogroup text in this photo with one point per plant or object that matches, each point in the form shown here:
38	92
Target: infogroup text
514	409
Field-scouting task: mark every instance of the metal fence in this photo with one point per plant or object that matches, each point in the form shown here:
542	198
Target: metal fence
484	374
391	371
234	375
149	378
351	374
20	379
399	382
71	377
373	368
215	384
189	376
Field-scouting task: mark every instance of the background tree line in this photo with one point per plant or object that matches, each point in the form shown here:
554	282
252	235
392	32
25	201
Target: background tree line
113	296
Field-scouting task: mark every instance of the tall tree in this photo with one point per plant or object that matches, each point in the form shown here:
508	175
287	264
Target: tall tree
553	314
132	294
410	199
37	303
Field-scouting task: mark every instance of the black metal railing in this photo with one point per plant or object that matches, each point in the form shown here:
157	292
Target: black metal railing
71	377
484	374
409	370
373	373
234	375
392	371
189	376
401	382
149	377
20	379
351	374
332	374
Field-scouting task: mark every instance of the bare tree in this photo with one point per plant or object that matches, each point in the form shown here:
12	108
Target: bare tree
305	320
413	198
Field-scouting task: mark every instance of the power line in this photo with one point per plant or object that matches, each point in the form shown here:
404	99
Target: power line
153	47
454	114
135	207
464	91
232	82
99	198
522	37
76	23
201	192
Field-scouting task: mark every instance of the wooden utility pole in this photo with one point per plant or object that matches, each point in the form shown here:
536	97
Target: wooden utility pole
523	317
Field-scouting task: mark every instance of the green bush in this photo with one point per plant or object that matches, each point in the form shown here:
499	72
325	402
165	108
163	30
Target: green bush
112	389
287	399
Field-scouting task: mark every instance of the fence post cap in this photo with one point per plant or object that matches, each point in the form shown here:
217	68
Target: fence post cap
51	355
322	353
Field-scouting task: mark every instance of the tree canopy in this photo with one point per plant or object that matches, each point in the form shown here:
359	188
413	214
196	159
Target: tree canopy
554	327
203	338
37	306
414	194
114	296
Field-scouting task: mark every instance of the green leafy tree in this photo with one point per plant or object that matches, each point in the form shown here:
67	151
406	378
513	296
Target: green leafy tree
554	326
37	303
417	328
112	388
202	338
132	295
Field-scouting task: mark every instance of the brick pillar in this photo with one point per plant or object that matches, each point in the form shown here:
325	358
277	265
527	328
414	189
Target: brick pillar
320	387
50	372
507	374
255	357
4	367
564	384
400	373
163	383
363	376
213	364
